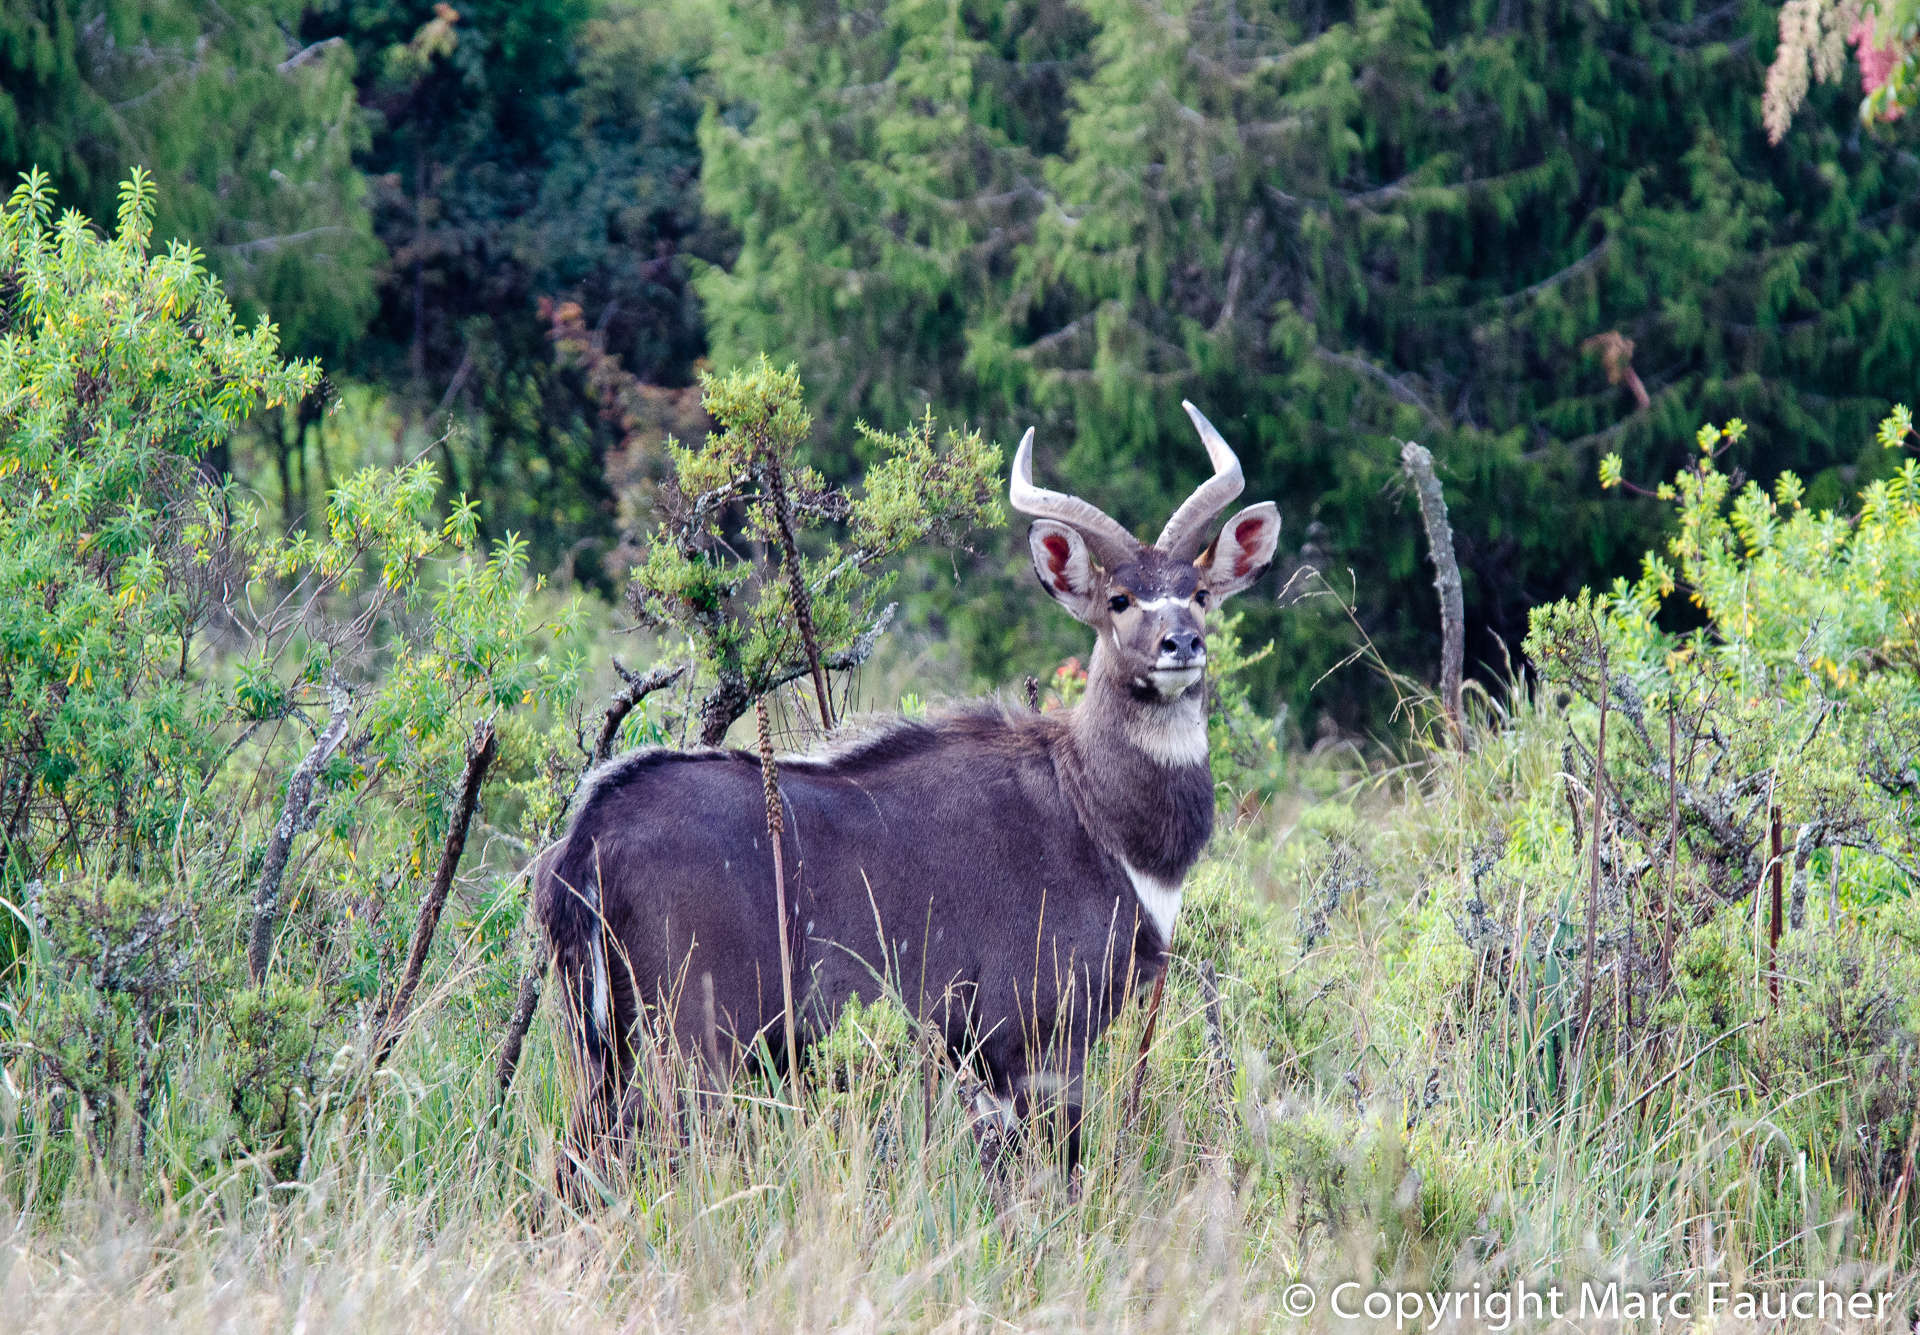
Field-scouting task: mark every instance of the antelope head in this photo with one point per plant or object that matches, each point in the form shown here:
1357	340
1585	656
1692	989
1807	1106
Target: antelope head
1147	604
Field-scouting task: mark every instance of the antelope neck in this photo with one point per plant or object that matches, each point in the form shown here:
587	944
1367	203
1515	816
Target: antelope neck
1141	777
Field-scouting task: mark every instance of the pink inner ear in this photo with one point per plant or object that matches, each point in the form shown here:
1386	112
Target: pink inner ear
1245	534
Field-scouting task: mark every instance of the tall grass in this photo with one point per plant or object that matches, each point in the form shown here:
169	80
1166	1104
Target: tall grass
1370	1100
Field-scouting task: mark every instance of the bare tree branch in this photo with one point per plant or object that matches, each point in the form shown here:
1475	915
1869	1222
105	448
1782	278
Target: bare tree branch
638	687
308	54
296	817
283	239
1394	384
480	754
1572	271
531	980
1418	463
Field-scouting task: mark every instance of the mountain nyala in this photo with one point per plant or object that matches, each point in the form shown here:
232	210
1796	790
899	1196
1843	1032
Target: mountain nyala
1007	875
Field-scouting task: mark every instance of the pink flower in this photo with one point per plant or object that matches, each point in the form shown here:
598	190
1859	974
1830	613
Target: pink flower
1876	62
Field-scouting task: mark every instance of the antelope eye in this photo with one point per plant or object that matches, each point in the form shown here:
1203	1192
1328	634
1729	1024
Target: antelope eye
1119	602
1200	596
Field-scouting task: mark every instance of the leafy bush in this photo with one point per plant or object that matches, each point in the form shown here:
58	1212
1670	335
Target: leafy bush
188	694
1726	889
118	370
1798	695
755	624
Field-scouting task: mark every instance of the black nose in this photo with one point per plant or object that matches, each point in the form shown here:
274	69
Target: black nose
1188	644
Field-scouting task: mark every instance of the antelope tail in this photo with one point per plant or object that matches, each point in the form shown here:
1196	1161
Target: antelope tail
567	899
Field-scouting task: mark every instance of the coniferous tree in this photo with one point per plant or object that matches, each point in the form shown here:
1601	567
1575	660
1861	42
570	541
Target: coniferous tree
876	177
1522	233
248	132
525	151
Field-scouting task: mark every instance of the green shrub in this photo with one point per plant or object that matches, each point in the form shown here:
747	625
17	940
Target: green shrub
173	664
119	369
758	622
1711	909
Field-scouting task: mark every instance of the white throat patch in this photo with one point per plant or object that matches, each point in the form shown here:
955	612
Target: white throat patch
1160	899
1175	736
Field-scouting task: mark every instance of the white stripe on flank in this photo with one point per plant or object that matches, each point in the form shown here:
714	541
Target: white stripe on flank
1158	898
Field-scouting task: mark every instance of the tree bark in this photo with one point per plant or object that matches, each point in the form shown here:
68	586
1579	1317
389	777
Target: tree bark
1593	884
638	687
296	817
531	981
480	754
1446	578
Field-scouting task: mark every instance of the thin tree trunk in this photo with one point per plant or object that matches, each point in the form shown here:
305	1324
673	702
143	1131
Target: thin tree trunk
524	1007
1599	830
1673	837
296	816
480	754
775	827
1446	578
1774	923
312	411
797	587
284	460
1803	845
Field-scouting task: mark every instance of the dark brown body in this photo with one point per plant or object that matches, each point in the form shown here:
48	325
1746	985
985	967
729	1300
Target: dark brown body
1008	875
975	866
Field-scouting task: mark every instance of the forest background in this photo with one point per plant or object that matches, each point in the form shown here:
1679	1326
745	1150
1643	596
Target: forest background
1526	235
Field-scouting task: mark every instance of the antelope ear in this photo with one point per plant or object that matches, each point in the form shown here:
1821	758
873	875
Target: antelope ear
1065	568
1243	551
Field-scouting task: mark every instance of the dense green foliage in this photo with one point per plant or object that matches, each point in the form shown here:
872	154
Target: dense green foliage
252	139
117	371
1751	841
188	692
1492	228
1525	234
398	184
519	151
